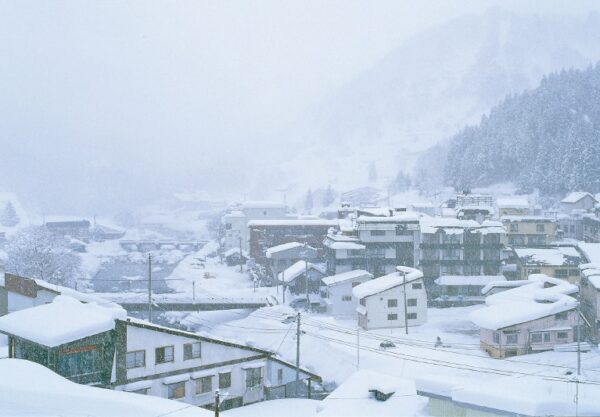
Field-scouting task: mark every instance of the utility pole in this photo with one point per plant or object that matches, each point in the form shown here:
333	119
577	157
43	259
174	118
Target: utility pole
306	279
194	291
357	347
297	353
241	255
150	287
217	403
405	306
578	353
282	284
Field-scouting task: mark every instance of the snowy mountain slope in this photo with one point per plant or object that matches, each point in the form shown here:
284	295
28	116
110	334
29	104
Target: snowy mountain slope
425	91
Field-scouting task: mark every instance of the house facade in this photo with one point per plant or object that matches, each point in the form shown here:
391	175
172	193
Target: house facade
463	290
338	292
100	346
591	229
381	300
533	317
236	221
590	296
265	234
459	247
389	241
513	206
528	230
578	200
554	261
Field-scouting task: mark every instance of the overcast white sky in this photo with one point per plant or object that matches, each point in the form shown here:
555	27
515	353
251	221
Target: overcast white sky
170	84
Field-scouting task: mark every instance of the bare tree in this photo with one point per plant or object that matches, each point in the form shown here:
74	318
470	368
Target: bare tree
35	252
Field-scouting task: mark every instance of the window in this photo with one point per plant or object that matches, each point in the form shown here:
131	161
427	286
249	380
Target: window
411	316
191	351
534	270
561	316
546	337
204	384
540	228
363	302
411	302
176	390
280	376
224	380
347	298
227	226
561	273
392	302
514	227
164	354
392	317
497	337
253	377
562	335
136	359
573	272
451	254
512	339
451	239
377	232
417	286
536	338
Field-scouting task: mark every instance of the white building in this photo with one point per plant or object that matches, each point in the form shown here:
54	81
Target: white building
382	300
578	200
340	301
236	221
96	345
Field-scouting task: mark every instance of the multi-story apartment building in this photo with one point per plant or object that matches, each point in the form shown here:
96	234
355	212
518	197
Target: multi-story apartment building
459	247
236	221
375	243
528	230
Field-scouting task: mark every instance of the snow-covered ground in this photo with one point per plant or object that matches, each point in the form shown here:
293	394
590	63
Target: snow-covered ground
29	389
329	347
289	407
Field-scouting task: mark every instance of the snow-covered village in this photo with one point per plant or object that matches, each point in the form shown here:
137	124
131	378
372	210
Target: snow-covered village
299	208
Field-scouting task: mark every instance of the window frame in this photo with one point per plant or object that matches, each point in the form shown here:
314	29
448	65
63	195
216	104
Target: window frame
190	346
200	385
164	355
171	389
135	365
221	384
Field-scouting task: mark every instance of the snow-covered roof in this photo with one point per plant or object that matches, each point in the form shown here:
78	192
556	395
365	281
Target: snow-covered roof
280	248
574	197
512	202
262	204
386	282
542	297
298	269
525	219
503	284
478	280
234	251
234	214
346	246
450	225
521	395
591	251
347	276
293	222
63	320
355	397
555	256
54	395
398	217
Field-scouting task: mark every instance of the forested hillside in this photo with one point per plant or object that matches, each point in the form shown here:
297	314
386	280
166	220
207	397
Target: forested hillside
547	138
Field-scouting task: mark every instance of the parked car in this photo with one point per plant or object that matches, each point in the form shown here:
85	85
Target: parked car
386	344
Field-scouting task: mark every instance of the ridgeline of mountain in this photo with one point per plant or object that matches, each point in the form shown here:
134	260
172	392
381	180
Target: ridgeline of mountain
425	91
547	138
